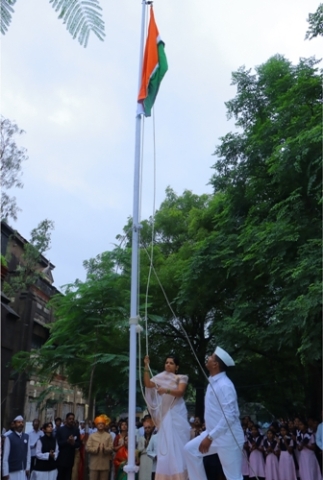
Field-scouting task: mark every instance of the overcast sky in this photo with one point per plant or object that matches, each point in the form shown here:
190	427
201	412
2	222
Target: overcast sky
77	107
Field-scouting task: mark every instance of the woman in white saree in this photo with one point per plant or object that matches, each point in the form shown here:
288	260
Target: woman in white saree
164	396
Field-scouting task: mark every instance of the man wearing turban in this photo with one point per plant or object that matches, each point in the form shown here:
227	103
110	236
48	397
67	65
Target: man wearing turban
100	448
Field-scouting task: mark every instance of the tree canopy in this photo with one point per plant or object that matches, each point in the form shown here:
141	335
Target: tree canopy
11	158
269	176
267	235
27	270
315	21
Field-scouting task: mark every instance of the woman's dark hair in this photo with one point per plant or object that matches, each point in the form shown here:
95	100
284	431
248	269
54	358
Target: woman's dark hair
173	357
304	422
275	425
255	425
46	425
114	425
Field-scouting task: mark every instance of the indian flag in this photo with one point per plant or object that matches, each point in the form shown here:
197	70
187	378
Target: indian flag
153	69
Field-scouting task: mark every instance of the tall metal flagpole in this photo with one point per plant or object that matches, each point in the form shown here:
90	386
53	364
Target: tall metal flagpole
131	467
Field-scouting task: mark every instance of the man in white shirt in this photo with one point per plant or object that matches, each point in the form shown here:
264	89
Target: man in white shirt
152	452
92	427
82	427
16	453
319	436
223	434
58	424
11	429
34	436
146	462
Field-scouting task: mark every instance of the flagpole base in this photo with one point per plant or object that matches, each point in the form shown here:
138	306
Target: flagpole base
131	468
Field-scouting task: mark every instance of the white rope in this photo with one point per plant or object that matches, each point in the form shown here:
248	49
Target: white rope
158	401
140	379
152	235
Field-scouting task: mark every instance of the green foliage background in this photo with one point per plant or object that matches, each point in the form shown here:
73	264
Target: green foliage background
241	268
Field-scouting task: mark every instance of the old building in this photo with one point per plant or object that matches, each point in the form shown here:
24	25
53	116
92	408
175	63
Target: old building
25	326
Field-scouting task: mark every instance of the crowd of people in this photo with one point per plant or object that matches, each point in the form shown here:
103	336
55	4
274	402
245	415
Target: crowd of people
288	449
168	445
58	451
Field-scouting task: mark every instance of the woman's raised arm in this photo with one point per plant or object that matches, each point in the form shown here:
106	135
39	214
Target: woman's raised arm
147	382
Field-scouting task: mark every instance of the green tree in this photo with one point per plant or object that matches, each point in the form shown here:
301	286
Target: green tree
88	341
267	221
81	17
11	157
315	21
28	270
243	268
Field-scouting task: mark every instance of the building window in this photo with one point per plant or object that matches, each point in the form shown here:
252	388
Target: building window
32	411
67	407
36	341
79	414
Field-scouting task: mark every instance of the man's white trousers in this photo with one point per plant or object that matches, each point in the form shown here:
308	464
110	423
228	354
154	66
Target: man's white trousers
230	458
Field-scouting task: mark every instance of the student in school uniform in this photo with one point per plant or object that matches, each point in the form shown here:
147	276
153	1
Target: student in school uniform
245	453
270	446
286	465
250	424
256	458
293	434
308	465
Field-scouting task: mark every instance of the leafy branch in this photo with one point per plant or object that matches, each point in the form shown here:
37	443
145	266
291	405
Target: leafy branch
81	17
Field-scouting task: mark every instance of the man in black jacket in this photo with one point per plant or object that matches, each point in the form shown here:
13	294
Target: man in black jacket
68	439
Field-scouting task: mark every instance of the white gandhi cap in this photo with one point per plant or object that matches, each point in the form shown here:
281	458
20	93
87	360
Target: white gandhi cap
18	419
225	357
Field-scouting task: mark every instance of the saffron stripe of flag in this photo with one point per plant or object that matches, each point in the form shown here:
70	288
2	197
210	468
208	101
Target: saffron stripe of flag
153	69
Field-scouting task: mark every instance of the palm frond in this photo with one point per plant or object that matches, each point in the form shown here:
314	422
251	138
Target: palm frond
6	14
81	17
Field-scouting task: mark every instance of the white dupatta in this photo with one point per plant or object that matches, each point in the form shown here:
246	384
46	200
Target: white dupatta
159	405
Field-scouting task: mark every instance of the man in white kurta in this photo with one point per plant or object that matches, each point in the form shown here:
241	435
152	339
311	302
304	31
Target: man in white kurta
9	451
9	432
223	434
152	450
34	436
146	462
